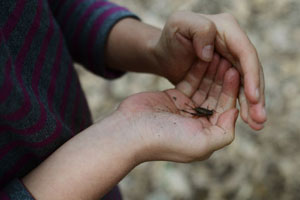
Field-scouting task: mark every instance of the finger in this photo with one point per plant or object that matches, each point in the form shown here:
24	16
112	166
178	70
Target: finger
201	94
254	87
239	46
257	111
243	105
253	114
216	88
251	70
248	61
230	89
222	134
197	28
250	66
234	44
254	125
257	116
192	79
227	99
204	47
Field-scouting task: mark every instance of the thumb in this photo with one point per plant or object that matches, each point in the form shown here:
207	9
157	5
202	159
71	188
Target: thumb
226	123
203	38
198	29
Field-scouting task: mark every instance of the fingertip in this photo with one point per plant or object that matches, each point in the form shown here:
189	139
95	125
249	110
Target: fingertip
256	126
253	124
258	113
252	91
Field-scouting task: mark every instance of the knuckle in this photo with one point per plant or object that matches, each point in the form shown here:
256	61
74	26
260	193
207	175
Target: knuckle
208	26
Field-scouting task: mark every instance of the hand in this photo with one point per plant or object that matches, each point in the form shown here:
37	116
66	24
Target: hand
188	37
162	122
146	126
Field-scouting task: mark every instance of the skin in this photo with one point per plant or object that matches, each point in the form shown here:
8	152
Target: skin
146	126
176	50
151	126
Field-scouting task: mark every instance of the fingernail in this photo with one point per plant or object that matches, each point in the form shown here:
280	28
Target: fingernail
257	94
207	52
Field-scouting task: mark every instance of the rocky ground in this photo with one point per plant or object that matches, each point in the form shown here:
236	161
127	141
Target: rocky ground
257	165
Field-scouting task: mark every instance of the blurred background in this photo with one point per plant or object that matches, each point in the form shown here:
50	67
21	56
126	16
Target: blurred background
257	165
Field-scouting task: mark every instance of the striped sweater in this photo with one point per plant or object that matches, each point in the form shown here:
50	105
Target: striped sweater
42	104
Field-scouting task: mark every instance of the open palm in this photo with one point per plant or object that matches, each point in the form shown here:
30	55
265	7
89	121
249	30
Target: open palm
164	121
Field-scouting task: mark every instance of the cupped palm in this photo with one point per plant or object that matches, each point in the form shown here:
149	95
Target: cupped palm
164	122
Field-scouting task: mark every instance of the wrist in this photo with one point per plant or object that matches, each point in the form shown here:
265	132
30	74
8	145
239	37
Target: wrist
121	131
131	47
143	146
105	151
152	52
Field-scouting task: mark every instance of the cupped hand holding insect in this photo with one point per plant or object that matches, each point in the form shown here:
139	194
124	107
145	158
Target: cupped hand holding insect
163	122
146	126
186	38
187	34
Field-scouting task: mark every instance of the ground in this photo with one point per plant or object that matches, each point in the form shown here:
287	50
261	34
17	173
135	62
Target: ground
257	165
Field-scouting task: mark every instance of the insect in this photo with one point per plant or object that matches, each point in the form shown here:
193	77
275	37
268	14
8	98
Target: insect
200	112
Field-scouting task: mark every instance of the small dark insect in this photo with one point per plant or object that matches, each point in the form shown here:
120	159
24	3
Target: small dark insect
200	112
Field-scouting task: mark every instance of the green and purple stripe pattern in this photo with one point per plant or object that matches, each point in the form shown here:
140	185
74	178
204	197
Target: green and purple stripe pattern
42	104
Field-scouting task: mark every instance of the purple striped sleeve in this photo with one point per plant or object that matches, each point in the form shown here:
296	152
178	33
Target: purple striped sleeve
86	25
15	190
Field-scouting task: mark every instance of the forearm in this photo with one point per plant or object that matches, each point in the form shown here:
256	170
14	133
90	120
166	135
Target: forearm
87	166
131	45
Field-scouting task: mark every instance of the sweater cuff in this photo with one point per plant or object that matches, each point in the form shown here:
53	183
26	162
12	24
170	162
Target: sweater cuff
15	190
86	25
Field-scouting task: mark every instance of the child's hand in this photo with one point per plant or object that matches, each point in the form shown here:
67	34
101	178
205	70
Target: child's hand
188	36
166	131
146	126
